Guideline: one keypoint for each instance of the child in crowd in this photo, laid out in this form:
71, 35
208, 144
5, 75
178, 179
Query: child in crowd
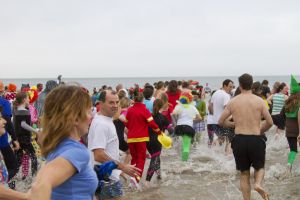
138, 119
154, 146
148, 97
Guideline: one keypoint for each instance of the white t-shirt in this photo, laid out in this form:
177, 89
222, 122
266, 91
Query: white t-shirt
103, 135
219, 99
185, 114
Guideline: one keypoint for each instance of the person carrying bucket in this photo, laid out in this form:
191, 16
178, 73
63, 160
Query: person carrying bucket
183, 116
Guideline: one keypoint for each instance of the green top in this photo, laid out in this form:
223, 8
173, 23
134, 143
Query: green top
201, 107
294, 113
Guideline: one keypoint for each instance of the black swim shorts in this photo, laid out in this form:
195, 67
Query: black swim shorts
249, 150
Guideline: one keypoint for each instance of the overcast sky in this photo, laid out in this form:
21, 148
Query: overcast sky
121, 38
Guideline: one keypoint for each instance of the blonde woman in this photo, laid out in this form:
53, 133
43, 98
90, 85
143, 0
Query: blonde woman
67, 173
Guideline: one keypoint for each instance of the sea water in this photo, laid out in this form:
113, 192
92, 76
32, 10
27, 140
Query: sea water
209, 174
214, 82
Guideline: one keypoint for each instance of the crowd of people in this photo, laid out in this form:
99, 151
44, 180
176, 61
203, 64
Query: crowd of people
69, 140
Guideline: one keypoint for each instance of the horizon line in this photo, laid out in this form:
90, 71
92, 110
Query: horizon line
108, 77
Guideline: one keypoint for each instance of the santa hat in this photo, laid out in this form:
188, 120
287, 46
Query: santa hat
294, 87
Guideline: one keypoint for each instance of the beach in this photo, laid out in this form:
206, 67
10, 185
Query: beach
211, 175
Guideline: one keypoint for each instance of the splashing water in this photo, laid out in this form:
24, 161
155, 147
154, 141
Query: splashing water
210, 174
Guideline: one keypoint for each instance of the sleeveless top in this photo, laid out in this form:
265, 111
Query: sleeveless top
278, 103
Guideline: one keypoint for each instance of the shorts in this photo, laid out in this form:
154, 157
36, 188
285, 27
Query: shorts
249, 150
199, 126
279, 121
108, 190
223, 132
181, 130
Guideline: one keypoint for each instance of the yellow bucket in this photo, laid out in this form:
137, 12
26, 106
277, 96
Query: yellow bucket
165, 140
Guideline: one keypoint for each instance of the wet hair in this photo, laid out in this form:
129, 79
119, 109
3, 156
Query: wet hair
63, 106
172, 87
20, 96
102, 96
246, 81
157, 105
226, 82
148, 91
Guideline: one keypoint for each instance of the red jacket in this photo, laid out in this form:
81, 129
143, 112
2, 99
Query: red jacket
173, 99
138, 119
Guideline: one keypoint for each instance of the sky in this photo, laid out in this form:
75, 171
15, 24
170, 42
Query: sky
155, 38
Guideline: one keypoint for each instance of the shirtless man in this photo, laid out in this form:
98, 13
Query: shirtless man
249, 147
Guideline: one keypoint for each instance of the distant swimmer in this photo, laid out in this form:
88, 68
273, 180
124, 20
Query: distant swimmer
249, 146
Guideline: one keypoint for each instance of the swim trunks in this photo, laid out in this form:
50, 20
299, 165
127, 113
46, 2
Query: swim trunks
249, 150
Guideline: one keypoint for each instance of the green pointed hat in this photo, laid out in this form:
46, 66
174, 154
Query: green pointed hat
295, 87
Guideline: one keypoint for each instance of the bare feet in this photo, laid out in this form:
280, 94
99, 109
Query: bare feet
262, 192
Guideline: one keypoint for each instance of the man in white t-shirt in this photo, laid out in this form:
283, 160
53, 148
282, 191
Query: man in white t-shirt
216, 107
104, 144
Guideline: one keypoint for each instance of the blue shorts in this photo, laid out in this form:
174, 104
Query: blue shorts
111, 189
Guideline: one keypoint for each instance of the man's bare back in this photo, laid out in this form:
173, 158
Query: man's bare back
247, 111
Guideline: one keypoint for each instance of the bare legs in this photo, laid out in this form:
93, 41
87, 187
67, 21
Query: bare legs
246, 186
259, 176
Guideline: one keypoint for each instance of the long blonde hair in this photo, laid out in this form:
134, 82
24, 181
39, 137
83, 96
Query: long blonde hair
63, 106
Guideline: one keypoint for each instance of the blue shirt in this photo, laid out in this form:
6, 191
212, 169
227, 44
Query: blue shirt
6, 109
149, 104
83, 184
4, 140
